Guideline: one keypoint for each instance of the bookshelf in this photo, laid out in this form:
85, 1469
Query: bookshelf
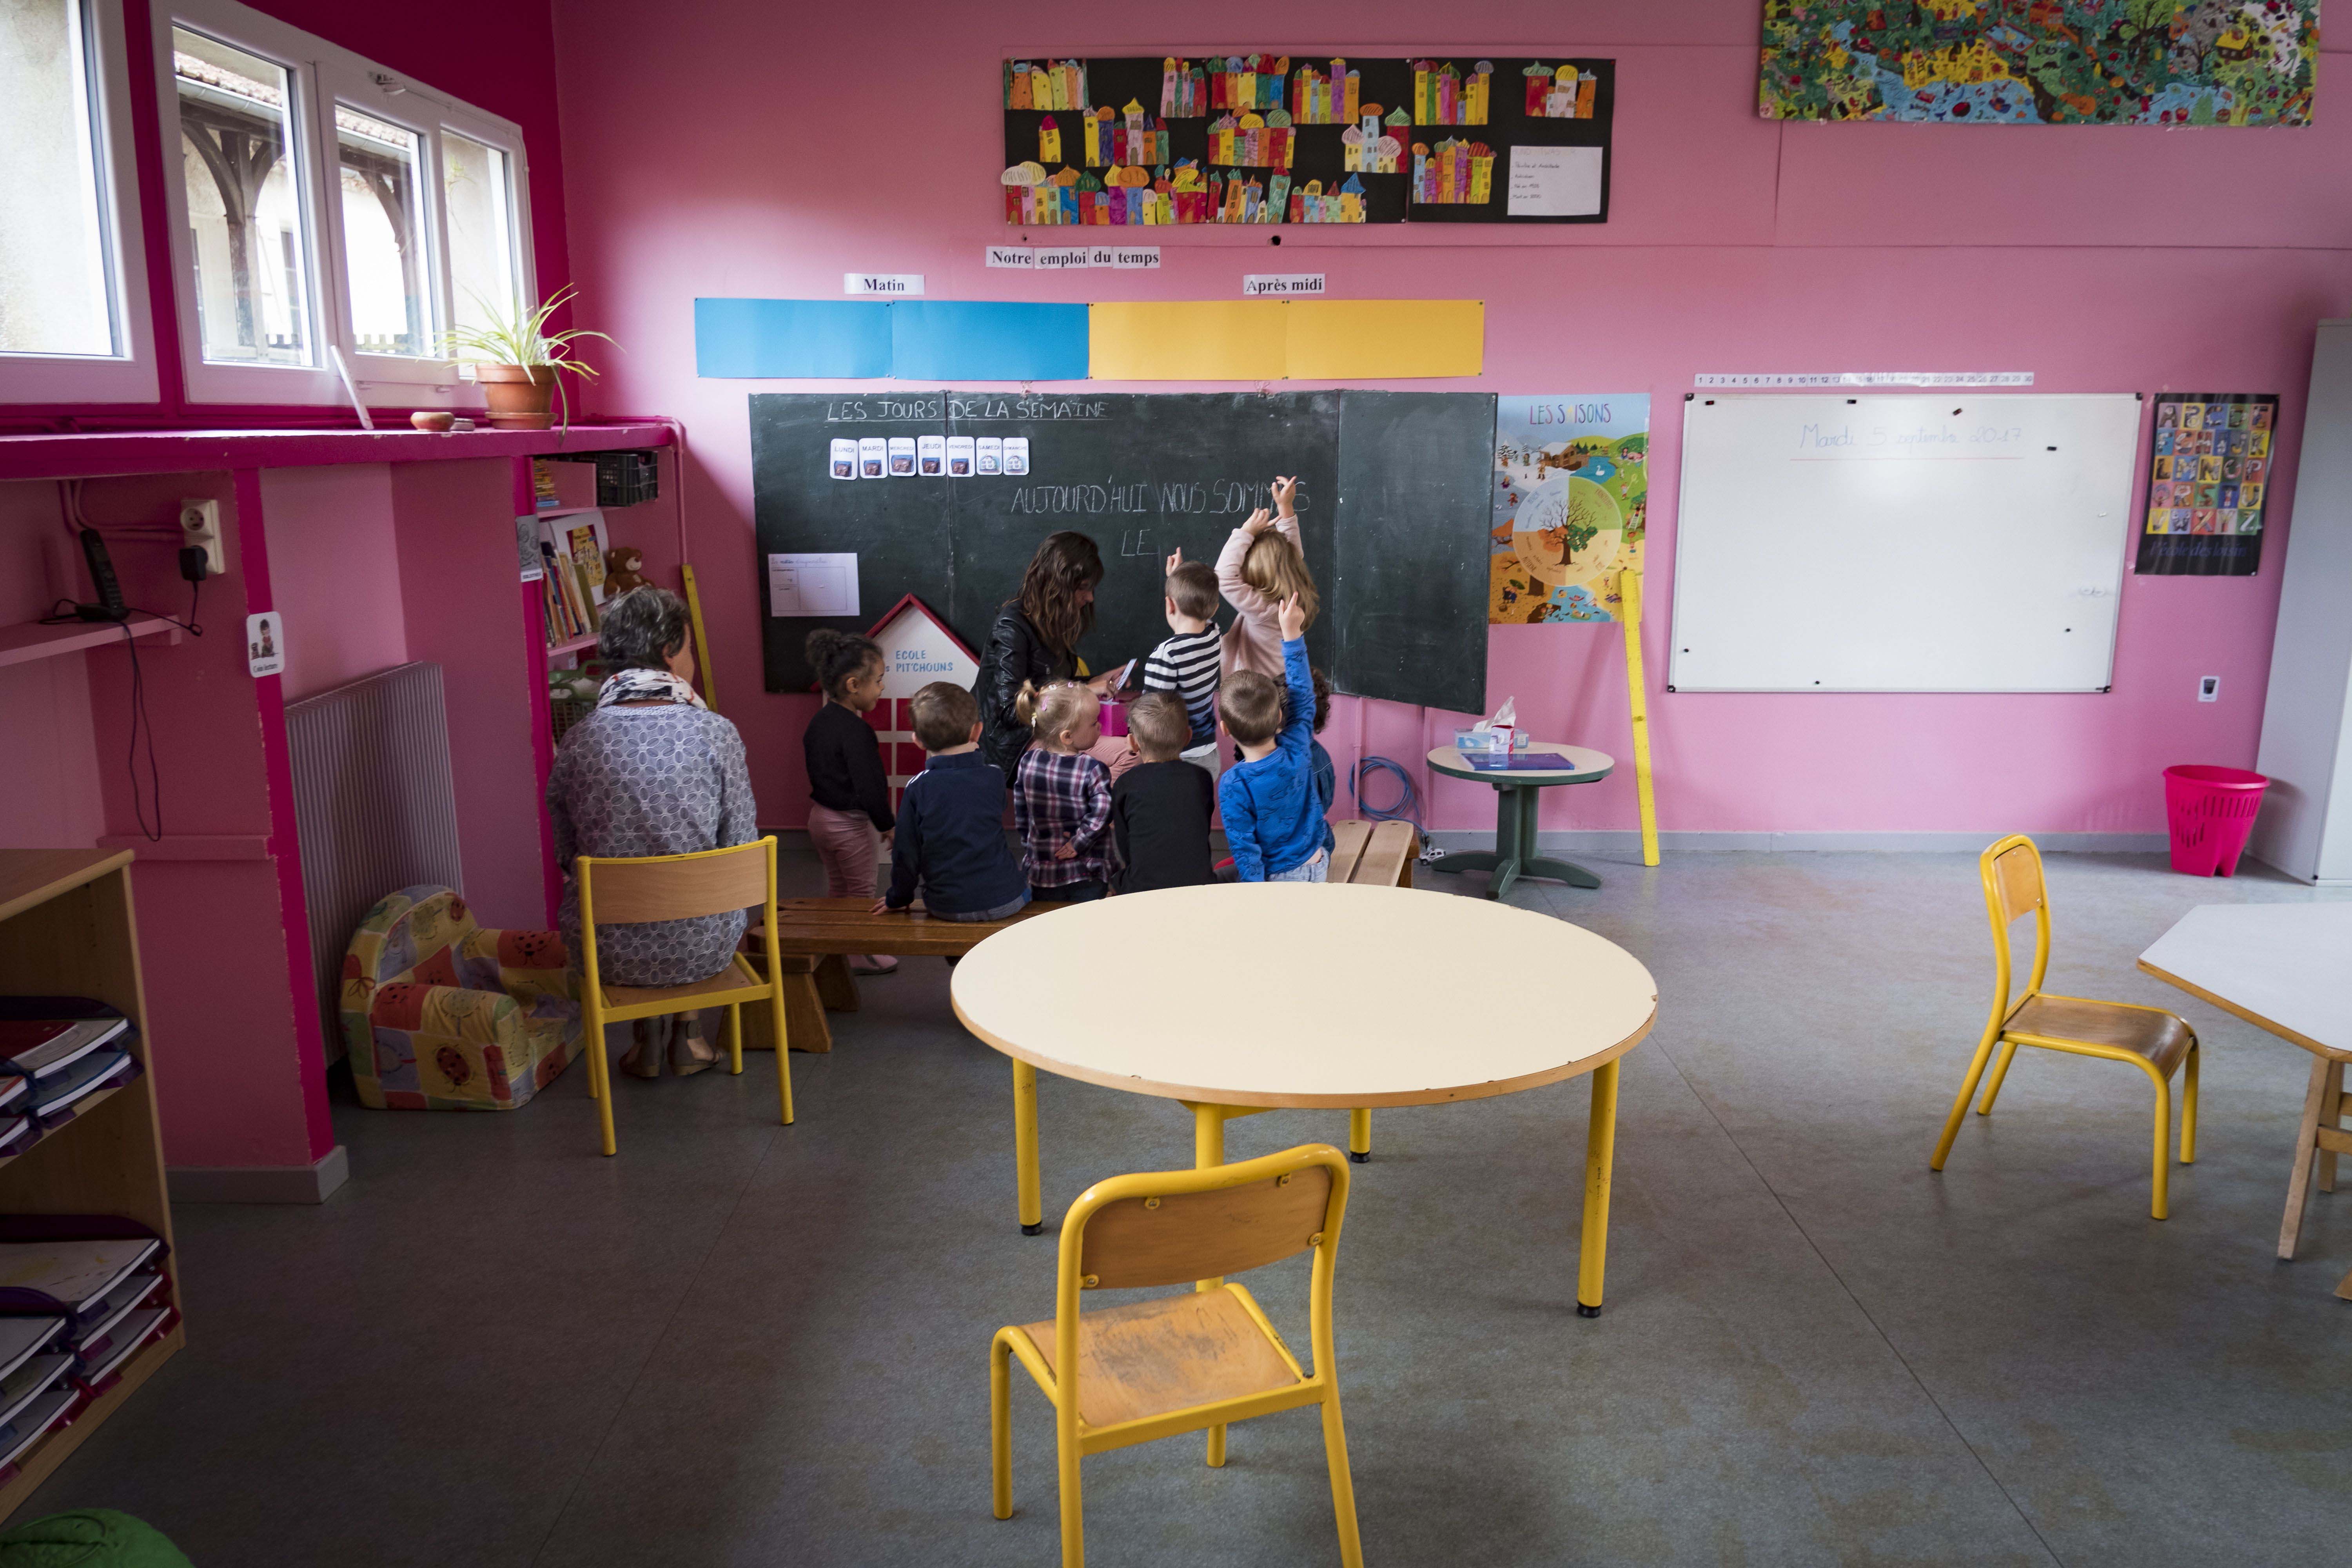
66, 928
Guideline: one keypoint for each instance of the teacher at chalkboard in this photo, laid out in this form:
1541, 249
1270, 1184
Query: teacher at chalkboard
1035, 640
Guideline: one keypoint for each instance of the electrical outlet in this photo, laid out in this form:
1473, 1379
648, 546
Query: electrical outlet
2208, 689
200, 522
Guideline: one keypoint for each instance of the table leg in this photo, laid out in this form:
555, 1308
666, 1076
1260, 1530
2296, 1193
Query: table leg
1599, 1154
2298, 1181
1025, 1147
1209, 1149
1359, 1136
1513, 838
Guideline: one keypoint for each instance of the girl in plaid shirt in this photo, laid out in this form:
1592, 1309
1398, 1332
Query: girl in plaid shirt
1061, 796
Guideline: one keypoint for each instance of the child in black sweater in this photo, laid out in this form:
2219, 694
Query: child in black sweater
849, 795
1159, 808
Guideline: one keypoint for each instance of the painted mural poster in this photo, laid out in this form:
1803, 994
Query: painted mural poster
2209, 484
1571, 505
2135, 62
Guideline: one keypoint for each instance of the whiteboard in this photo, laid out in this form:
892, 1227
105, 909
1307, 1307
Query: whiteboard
1951, 542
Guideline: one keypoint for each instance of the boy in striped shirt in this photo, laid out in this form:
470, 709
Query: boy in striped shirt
1186, 664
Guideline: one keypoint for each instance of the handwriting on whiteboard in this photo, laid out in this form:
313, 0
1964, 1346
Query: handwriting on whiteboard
1943, 438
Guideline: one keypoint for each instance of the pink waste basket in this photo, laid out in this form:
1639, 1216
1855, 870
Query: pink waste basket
2209, 812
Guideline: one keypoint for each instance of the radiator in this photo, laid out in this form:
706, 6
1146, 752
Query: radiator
373, 808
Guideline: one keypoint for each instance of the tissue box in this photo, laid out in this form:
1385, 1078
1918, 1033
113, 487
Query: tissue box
1476, 740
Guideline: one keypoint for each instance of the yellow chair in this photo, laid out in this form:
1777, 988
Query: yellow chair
614, 891
1181, 1363
2155, 1041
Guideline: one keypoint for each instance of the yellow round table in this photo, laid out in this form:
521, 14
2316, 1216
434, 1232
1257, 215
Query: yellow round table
1237, 999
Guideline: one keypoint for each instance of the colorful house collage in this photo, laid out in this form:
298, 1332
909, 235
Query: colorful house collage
1368, 149
1561, 94
1252, 140
1319, 99
1057, 84
1315, 204
1122, 196
1138, 139
1441, 95
1453, 171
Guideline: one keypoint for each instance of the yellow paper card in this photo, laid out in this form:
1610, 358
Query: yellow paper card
1380, 340
1188, 340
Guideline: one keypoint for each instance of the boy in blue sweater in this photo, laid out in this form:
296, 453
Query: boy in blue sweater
1273, 822
951, 835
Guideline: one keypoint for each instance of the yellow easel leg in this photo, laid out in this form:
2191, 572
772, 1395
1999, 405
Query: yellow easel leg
702, 643
1629, 594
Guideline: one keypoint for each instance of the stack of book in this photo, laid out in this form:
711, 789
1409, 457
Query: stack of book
572, 588
55, 1053
74, 1308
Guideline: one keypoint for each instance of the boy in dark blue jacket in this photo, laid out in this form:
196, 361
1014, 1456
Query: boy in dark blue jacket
1274, 823
950, 835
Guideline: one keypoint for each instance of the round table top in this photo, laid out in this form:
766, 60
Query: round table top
1590, 766
1294, 994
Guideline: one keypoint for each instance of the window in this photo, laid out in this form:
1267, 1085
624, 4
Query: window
245, 227
329, 209
72, 301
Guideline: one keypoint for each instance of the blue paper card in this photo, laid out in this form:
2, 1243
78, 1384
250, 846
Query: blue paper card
987, 340
777, 338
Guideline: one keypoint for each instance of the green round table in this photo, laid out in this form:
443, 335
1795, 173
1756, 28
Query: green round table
1516, 795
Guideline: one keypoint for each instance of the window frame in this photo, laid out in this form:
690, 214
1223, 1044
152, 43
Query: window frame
325, 75
127, 375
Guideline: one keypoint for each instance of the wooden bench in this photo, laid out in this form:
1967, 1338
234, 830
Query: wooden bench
814, 938
1372, 853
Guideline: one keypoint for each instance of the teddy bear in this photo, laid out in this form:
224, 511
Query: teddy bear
621, 574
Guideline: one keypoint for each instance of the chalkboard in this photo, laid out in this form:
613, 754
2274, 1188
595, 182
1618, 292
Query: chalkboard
1392, 501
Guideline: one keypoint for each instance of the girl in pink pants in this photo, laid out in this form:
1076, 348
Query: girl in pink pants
849, 795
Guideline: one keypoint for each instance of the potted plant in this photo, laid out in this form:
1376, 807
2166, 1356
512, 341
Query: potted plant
516, 358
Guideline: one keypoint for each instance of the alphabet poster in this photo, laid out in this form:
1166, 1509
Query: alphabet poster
2209, 484
1571, 505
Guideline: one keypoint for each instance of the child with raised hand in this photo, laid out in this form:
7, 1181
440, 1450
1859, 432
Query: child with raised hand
849, 817
1061, 795
1187, 664
1159, 808
1273, 823
1262, 564
951, 838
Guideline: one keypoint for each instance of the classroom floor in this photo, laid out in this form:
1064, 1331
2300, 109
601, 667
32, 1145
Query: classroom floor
739, 1343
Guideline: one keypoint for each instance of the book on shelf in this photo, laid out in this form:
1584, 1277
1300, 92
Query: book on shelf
35, 1423
103, 1356
31, 1378
572, 551
22, 1339
56, 1094
32, 1045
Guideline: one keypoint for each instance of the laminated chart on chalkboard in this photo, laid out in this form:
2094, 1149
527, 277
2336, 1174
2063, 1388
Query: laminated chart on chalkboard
1145, 475
1138, 142
2209, 484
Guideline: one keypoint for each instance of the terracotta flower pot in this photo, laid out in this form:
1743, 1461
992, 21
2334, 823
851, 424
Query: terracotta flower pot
522, 397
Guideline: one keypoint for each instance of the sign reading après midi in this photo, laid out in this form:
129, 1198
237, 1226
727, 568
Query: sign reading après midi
1255, 284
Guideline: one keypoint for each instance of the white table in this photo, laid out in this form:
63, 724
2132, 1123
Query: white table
1517, 794
1238, 999
2286, 968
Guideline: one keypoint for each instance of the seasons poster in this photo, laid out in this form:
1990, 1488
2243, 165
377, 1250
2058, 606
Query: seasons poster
1571, 505
2045, 62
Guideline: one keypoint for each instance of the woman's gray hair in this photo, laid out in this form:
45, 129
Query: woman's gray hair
641, 628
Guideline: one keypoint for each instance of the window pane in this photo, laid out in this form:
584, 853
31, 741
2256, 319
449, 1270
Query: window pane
54, 277
383, 233
481, 230
244, 207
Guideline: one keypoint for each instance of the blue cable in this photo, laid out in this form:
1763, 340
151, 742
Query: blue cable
1406, 808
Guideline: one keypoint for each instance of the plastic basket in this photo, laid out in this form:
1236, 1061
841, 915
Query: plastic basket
2208, 813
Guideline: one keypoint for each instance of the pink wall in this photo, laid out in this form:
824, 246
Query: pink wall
48, 759
1734, 244
335, 572
462, 610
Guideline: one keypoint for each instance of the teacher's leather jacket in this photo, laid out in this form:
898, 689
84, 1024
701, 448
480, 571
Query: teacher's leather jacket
1016, 653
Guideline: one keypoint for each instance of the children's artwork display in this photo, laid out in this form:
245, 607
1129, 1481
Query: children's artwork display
2209, 484
1265, 139
2137, 62
1571, 505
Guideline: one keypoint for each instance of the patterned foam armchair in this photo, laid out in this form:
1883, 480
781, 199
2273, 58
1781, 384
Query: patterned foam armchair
443, 1015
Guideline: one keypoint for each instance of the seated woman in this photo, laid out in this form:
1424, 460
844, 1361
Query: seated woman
651, 772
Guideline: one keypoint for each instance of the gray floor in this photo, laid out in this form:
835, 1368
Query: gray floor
737, 1343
